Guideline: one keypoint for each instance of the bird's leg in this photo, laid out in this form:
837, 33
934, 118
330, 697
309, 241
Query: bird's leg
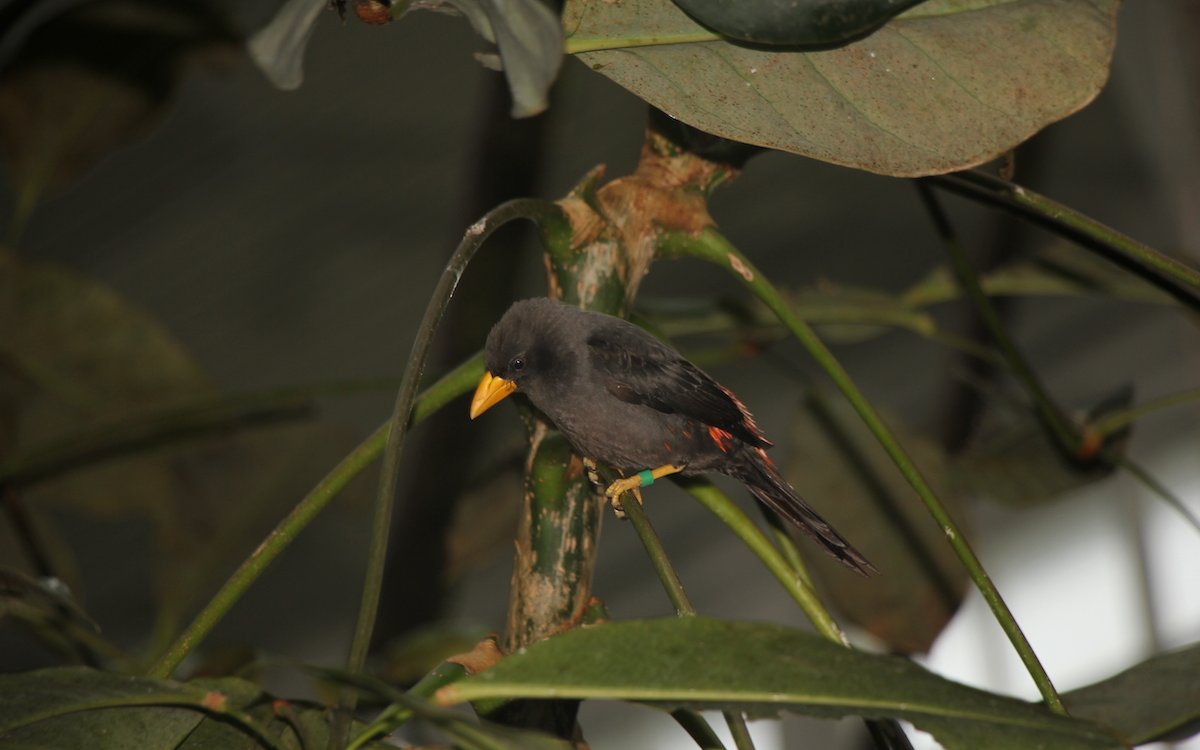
634, 483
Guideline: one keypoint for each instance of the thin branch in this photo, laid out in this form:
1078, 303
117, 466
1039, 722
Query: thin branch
683, 606
535, 210
710, 245
458, 381
1165, 272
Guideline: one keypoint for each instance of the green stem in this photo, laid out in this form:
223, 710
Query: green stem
787, 547
458, 381
104, 441
1179, 280
741, 735
732, 516
679, 599
1159, 489
698, 729
535, 210
710, 245
1116, 421
575, 45
658, 557
1066, 434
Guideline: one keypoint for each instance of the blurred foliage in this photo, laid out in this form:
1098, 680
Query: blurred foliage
81, 79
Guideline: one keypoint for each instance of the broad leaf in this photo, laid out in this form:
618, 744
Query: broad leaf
947, 85
278, 48
526, 33
77, 707
88, 363
763, 668
530, 41
845, 473
92, 78
48, 597
1158, 699
786, 23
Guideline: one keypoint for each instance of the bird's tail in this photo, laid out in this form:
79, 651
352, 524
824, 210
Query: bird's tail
760, 476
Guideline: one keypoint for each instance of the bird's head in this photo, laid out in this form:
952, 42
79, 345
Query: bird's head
530, 349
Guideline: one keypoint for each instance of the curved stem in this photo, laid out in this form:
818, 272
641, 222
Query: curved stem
1115, 421
732, 516
180, 422
1072, 439
1065, 434
710, 245
535, 210
456, 382
683, 606
1180, 281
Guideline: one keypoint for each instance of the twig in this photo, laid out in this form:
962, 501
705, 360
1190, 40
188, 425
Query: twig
1166, 273
457, 382
713, 247
476, 234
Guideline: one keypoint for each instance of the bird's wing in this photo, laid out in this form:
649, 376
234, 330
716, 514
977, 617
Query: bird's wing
639, 369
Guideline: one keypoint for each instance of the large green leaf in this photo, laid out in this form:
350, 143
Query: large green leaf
1158, 699
76, 707
947, 85
763, 668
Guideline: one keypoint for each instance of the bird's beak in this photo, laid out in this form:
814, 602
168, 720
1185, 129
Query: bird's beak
490, 391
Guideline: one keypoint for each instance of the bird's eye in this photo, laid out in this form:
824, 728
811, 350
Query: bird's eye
517, 364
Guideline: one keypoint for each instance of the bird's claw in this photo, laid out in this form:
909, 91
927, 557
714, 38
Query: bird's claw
593, 472
618, 488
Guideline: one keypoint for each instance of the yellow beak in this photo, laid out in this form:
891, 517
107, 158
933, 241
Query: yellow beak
490, 391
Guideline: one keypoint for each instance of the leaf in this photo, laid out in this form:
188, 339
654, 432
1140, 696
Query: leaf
763, 668
84, 356
90, 362
527, 33
93, 78
530, 40
1157, 700
467, 735
48, 596
78, 707
840, 467
947, 85
786, 23
278, 48
63, 708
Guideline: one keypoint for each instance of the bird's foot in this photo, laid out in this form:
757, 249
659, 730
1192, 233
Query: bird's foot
618, 488
593, 473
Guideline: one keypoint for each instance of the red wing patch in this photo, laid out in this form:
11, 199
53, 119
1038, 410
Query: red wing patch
767, 460
720, 437
747, 419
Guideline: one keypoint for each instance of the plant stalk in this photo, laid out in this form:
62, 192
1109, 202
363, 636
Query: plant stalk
710, 245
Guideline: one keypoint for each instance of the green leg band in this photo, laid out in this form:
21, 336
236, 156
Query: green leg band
646, 477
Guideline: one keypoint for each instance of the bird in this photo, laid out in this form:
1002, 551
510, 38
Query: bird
625, 399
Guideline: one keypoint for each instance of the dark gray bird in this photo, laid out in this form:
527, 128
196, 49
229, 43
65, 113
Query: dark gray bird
625, 399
